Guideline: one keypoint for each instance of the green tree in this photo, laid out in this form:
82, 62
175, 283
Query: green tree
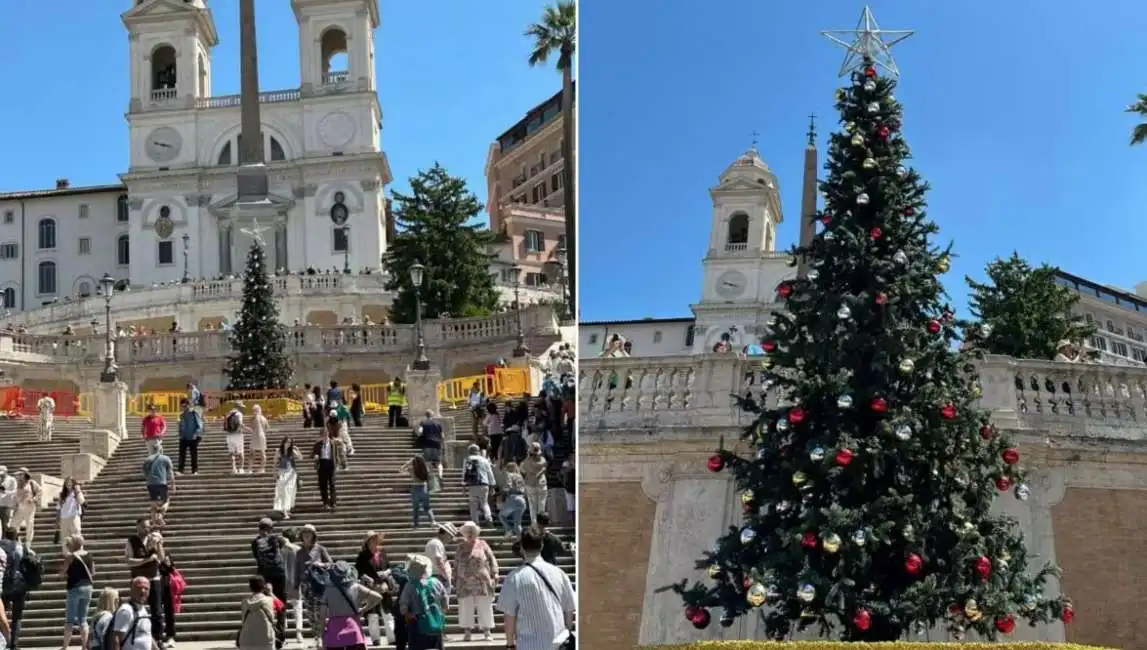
1025, 311
1139, 133
434, 229
258, 340
867, 490
557, 33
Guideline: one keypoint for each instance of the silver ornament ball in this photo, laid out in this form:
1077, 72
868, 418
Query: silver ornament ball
874, 107
844, 402
903, 432
862, 199
870, 85
816, 454
844, 313
748, 535
900, 257
860, 537
1022, 492
806, 593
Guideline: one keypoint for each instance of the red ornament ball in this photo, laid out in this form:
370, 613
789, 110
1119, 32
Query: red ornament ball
881, 298
808, 540
796, 415
785, 290
879, 405
956, 609
883, 132
948, 412
1003, 484
716, 463
987, 432
1006, 624
909, 211
1067, 615
825, 219
769, 346
870, 72
691, 611
1011, 455
913, 563
844, 457
934, 326
983, 567
862, 619
746, 582
875, 233
700, 618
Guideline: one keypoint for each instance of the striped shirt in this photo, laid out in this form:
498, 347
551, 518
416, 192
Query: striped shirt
540, 623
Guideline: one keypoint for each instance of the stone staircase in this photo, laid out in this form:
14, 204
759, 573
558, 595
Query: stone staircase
213, 517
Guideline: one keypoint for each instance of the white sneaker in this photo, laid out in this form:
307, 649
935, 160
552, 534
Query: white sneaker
487, 636
469, 636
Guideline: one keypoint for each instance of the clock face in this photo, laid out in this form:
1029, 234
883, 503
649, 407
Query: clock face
164, 144
731, 284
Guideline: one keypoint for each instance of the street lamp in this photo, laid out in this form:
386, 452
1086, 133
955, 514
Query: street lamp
186, 245
107, 284
521, 349
562, 259
420, 360
346, 251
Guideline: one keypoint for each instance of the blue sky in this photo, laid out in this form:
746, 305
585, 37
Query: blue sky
452, 76
1013, 111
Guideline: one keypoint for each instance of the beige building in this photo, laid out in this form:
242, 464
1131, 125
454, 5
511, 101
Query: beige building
1120, 316
526, 194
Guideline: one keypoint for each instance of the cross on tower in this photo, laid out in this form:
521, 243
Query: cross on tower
811, 130
755, 135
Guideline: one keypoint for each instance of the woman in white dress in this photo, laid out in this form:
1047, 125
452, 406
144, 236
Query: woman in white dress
27, 503
287, 485
71, 506
260, 427
46, 406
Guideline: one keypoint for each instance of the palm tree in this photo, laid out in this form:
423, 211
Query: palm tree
557, 32
1139, 133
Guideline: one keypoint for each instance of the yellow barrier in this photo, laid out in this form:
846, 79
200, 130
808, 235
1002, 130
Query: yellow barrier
505, 382
86, 408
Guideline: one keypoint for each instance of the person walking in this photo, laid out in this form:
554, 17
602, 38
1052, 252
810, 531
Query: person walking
430, 441
537, 601
135, 621
311, 554
419, 474
478, 477
143, 552
287, 483
395, 402
267, 550
357, 409
233, 427
257, 627
78, 569
346, 601
27, 504
373, 569
423, 605
7, 497
260, 427
534, 472
514, 505
190, 433
475, 582
71, 504
160, 475
154, 428
325, 454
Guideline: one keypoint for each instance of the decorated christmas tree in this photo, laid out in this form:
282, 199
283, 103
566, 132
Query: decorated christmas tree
867, 489
258, 340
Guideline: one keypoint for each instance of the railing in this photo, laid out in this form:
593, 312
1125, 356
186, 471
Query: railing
336, 77
177, 346
736, 248
269, 97
164, 95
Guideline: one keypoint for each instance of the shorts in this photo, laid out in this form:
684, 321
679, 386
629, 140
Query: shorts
76, 605
432, 455
157, 493
259, 442
235, 443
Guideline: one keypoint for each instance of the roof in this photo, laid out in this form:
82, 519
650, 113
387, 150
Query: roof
1126, 296
70, 191
534, 111
640, 321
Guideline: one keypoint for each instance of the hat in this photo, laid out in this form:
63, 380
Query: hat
3, 469
22, 470
1063, 344
238, 403
309, 528
266, 522
448, 528
473, 449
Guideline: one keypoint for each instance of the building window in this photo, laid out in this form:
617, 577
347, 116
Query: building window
535, 241
122, 214
539, 192
1089, 318
1099, 343
1119, 348
535, 280
690, 335
562, 243
340, 244
85, 245
593, 339
85, 289
738, 229
46, 279
83, 210
277, 152
9, 298
224, 155
166, 253
9, 251
1139, 355
657, 336
123, 250
556, 182
46, 234
9, 216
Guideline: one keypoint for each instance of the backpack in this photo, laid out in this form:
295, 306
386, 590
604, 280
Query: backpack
202, 401
431, 620
231, 424
109, 640
100, 640
32, 569
471, 475
268, 553
24, 577
516, 447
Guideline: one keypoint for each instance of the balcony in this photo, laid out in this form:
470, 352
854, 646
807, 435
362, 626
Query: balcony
231, 101
336, 78
736, 247
164, 96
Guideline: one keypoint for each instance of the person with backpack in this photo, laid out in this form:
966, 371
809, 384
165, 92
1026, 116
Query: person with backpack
267, 549
102, 637
478, 476
234, 429
346, 601
257, 627
132, 623
190, 433
423, 605
23, 574
514, 504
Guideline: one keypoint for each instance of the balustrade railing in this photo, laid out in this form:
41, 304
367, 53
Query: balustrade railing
179, 346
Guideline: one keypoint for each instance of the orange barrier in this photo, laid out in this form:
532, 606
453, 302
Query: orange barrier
9, 399
67, 403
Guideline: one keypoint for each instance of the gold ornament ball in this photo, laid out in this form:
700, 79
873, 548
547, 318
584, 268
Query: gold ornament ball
977, 390
831, 543
840, 94
849, 127
799, 478
869, 163
714, 571
756, 595
746, 498
943, 264
972, 610
857, 140
907, 366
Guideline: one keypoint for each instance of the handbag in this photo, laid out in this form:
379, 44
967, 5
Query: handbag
571, 641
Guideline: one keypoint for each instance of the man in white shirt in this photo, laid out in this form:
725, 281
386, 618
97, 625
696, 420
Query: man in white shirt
7, 497
132, 622
538, 601
325, 453
478, 477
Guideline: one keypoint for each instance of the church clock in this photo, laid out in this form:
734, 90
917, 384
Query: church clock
731, 284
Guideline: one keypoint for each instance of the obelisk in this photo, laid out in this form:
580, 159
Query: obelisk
252, 183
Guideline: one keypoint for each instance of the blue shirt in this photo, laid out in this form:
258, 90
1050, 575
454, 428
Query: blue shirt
157, 468
195, 396
190, 425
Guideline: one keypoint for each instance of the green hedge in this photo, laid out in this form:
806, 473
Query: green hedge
837, 645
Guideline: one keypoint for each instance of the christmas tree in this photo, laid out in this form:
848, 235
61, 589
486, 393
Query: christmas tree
436, 229
258, 340
867, 491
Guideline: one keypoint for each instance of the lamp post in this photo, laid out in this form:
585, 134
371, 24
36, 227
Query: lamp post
186, 245
346, 251
420, 360
562, 259
520, 350
108, 375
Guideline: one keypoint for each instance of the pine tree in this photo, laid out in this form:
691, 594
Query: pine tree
435, 229
867, 489
1023, 312
258, 339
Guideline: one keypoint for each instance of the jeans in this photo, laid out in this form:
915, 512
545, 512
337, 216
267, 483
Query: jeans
15, 606
326, 472
393, 412
76, 605
420, 503
511, 514
155, 605
192, 447
278, 582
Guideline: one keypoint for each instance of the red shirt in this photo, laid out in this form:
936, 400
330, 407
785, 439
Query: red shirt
154, 426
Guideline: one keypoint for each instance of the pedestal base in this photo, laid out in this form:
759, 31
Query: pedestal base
109, 408
422, 392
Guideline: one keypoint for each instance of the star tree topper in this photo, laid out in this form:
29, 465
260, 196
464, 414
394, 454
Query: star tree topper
869, 42
255, 232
